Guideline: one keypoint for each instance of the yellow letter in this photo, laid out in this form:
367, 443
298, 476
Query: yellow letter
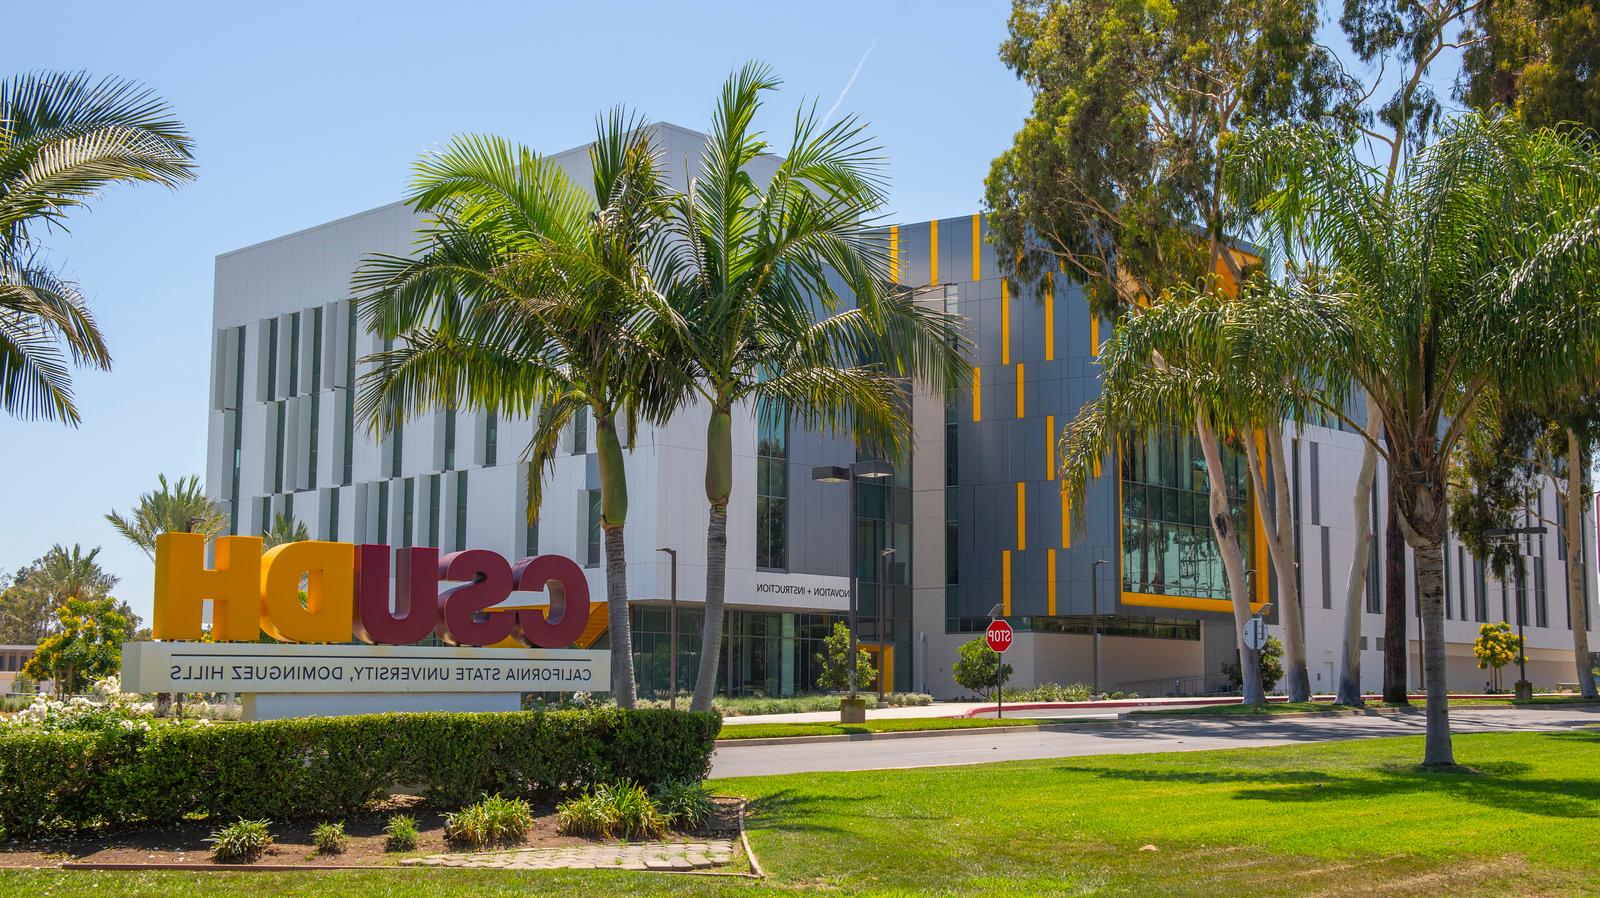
184, 583
329, 569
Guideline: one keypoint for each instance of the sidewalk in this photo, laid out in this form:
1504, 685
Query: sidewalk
937, 709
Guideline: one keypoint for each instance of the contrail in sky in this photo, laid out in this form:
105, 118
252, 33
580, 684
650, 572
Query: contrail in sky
851, 83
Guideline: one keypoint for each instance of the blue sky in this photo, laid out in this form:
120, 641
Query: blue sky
304, 112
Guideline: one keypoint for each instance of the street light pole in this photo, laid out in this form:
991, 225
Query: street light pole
840, 474
883, 593
1515, 534
1094, 622
672, 626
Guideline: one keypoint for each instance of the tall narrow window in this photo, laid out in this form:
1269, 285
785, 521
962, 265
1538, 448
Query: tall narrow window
278, 441
294, 354
333, 515
316, 349
1480, 592
491, 438
1541, 599
397, 443
408, 511
595, 530
315, 437
238, 434
433, 510
272, 358
350, 399
383, 511
580, 431
449, 439
1374, 553
530, 526
461, 511
772, 490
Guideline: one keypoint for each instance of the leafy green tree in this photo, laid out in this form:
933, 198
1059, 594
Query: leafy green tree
533, 296
1495, 647
756, 276
179, 507
1271, 666
64, 138
834, 661
978, 668
28, 607
1114, 180
86, 646
1468, 278
1538, 58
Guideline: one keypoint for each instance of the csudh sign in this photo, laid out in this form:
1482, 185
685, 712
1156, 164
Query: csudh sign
348, 594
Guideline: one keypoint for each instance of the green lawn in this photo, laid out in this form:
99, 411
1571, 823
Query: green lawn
1324, 819
775, 730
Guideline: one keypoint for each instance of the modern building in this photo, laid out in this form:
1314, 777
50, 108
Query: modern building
12, 658
975, 516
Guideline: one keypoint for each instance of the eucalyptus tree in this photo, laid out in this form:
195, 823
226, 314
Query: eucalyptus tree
64, 138
1468, 275
787, 303
532, 296
181, 506
1114, 181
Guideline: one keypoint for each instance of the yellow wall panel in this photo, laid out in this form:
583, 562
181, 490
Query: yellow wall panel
1021, 385
1005, 583
1066, 521
1050, 446
1094, 334
977, 393
1050, 588
1022, 515
894, 253
977, 242
933, 252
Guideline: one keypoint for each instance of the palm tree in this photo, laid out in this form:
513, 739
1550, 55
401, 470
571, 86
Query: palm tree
64, 138
63, 573
179, 507
752, 278
533, 296
1472, 275
284, 529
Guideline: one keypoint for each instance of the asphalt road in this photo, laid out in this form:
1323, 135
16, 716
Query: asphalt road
983, 746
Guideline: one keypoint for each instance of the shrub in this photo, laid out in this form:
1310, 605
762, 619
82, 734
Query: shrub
332, 766
400, 833
1271, 667
240, 842
685, 806
623, 809
1049, 692
977, 667
329, 838
491, 821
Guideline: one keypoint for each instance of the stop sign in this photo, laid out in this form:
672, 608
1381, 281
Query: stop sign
998, 636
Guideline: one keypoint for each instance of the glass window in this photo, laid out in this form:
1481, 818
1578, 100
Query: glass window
772, 490
580, 431
433, 509
449, 439
461, 511
333, 515
408, 511
491, 438
595, 530
294, 354
1167, 544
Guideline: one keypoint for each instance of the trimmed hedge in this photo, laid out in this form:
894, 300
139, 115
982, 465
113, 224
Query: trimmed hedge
331, 766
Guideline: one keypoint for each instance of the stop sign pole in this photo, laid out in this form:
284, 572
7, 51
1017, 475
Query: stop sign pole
998, 637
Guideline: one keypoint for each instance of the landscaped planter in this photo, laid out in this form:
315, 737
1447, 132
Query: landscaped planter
853, 710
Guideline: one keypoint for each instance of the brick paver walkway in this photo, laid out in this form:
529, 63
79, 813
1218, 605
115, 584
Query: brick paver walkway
635, 856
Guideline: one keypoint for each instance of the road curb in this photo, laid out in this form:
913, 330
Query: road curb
910, 734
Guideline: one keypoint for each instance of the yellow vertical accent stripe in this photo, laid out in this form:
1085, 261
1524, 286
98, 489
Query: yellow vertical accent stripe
933, 252
977, 241
1022, 515
1050, 587
1005, 583
1049, 317
1050, 446
1005, 321
1021, 384
894, 253
1066, 521
1094, 334
977, 393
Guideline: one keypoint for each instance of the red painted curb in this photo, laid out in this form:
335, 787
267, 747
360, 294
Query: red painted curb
1195, 703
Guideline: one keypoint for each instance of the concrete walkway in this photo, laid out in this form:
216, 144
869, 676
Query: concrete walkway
1158, 735
634, 856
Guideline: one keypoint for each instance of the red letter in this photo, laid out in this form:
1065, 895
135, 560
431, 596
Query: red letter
461, 619
416, 595
561, 579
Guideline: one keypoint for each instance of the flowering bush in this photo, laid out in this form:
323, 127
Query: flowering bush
106, 707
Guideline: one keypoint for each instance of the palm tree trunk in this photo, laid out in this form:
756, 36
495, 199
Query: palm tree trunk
1396, 651
1232, 562
1572, 532
1430, 587
613, 516
719, 486
1277, 522
1355, 584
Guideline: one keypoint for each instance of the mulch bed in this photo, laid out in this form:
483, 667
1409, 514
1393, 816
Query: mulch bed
184, 844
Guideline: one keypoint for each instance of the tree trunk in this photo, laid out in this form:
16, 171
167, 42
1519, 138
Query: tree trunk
1430, 591
705, 682
1572, 532
719, 487
1277, 520
613, 515
1232, 562
1355, 584
1396, 651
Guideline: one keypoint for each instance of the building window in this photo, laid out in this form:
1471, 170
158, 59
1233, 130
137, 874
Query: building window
272, 358
316, 349
315, 436
433, 510
449, 439
594, 529
491, 438
580, 431
461, 511
278, 441
333, 515
1167, 543
1374, 553
1481, 592
772, 490
408, 511
397, 451
530, 525
350, 399
1541, 601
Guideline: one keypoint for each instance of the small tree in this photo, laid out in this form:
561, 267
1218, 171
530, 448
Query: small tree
978, 668
86, 646
1495, 647
835, 669
1271, 667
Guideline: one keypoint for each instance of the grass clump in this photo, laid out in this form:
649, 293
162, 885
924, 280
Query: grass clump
492, 820
400, 834
329, 838
685, 805
240, 842
617, 810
